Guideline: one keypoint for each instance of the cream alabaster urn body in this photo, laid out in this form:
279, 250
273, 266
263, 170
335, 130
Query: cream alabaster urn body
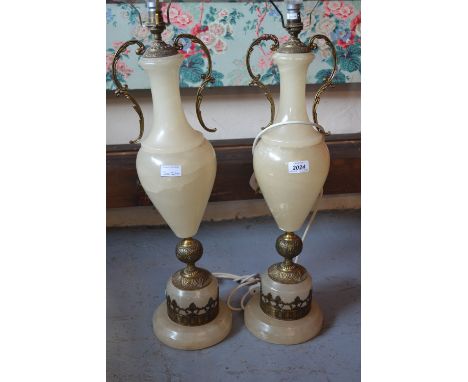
181, 193
291, 163
291, 195
176, 166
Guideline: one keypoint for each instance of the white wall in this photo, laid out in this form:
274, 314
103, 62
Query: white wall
237, 112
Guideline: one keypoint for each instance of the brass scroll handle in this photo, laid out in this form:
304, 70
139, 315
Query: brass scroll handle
123, 89
207, 77
328, 81
256, 78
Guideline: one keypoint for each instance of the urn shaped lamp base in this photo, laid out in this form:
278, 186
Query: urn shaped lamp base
284, 312
192, 317
283, 332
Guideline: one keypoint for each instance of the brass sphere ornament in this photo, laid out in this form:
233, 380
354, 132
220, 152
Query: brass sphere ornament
189, 250
289, 245
191, 277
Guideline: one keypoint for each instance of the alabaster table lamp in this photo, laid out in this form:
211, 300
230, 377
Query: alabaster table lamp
176, 166
291, 163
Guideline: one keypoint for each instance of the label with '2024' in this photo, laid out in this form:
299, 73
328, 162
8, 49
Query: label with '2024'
298, 167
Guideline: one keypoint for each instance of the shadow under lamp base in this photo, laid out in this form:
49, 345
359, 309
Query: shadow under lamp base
283, 332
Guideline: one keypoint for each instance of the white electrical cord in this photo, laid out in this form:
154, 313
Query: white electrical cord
259, 135
253, 280
312, 218
249, 280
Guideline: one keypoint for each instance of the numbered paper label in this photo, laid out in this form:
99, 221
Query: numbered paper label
298, 167
171, 170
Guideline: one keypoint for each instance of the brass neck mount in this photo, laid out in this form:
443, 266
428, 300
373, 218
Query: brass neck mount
294, 26
288, 245
191, 277
293, 44
157, 26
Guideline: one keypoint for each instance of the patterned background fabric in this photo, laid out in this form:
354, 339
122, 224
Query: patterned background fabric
228, 29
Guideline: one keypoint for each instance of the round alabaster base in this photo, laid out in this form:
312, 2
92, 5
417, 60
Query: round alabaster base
282, 332
191, 337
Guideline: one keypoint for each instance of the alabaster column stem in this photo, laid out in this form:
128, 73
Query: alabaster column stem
293, 72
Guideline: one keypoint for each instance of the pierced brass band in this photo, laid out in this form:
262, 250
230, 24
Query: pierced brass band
256, 77
288, 311
328, 81
193, 315
288, 245
123, 89
207, 77
191, 277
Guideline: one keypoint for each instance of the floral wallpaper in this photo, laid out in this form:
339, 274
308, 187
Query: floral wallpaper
228, 29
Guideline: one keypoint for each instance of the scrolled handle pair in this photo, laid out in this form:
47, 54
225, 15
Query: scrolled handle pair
123, 89
313, 46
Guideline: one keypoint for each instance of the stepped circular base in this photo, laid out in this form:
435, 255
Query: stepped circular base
282, 332
191, 337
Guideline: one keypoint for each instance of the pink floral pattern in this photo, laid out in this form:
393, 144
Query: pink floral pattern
208, 38
223, 13
220, 46
140, 32
345, 11
177, 15
227, 29
356, 25
217, 29
331, 7
265, 61
326, 26
123, 70
183, 20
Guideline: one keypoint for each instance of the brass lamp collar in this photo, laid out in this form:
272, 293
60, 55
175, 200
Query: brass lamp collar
294, 26
157, 26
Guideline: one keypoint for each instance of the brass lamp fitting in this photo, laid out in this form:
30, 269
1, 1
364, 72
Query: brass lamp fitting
294, 26
288, 245
191, 277
157, 26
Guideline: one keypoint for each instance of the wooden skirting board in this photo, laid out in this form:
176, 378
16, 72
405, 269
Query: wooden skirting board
234, 169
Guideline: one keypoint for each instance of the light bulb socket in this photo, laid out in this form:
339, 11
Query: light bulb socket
157, 26
151, 8
294, 26
293, 11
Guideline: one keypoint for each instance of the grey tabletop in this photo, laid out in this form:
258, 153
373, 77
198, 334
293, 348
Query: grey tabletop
140, 260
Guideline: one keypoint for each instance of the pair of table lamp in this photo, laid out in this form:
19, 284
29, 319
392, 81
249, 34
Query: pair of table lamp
176, 166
